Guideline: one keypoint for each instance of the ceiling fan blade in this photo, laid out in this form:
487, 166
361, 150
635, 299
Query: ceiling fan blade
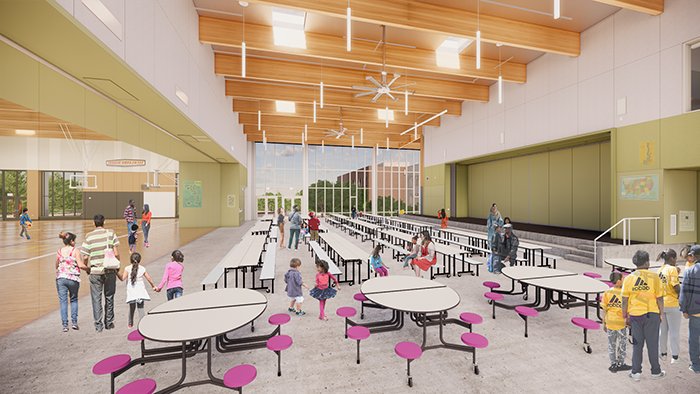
338, 136
403, 86
374, 100
364, 94
374, 81
363, 87
392, 97
396, 76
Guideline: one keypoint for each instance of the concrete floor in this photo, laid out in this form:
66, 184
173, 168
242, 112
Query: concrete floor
40, 358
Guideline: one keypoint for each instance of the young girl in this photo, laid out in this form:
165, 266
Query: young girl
671, 322
133, 237
323, 291
136, 292
414, 251
493, 220
443, 218
376, 260
280, 224
614, 325
68, 266
173, 276
687, 257
304, 230
428, 256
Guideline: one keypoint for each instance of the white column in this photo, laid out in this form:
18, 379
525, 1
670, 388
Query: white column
251, 203
374, 180
305, 180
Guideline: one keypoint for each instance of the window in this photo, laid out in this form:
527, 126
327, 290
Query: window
694, 79
278, 176
58, 199
13, 186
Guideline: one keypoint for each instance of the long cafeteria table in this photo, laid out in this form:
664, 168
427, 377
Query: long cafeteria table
480, 240
343, 251
246, 256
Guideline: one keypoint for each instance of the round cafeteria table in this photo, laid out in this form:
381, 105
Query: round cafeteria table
626, 265
198, 316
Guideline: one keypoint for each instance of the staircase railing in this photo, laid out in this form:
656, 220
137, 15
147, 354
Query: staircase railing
626, 234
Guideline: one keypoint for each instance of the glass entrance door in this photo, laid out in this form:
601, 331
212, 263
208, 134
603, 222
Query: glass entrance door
267, 205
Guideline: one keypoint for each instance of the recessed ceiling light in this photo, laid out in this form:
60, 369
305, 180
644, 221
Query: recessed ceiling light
382, 114
285, 106
288, 27
25, 132
447, 54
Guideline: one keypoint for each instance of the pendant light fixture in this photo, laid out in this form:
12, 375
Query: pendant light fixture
386, 113
353, 141
302, 140
377, 149
415, 130
387, 144
323, 146
557, 9
362, 134
306, 131
500, 78
321, 83
349, 22
244, 5
314, 105
259, 117
264, 140
478, 37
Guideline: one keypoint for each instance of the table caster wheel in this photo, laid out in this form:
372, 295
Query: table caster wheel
525, 297
350, 284
279, 373
476, 370
587, 348
448, 275
410, 382
490, 302
267, 290
459, 275
362, 316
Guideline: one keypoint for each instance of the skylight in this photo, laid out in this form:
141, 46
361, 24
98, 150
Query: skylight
382, 114
288, 27
447, 54
285, 106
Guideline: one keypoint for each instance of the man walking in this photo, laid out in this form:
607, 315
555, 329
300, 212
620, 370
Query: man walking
509, 246
689, 301
101, 280
643, 309
130, 215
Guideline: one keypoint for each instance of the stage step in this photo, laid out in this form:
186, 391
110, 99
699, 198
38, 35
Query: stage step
578, 258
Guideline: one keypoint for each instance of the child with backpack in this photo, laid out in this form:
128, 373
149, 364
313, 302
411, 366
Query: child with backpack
133, 237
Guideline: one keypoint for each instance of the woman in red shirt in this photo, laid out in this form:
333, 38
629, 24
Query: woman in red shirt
428, 257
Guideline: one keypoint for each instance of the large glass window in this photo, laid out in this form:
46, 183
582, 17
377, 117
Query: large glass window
278, 176
13, 185
695, 76
58, 199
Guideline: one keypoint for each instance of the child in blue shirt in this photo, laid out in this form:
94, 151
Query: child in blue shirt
294, 284
376, 260
23, 219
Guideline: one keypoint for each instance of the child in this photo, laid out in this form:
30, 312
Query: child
614, 325
304, 230
323, 291
314, 226
133, 237
294, 283
687, 257
173, 276
495, 265
23, 219
415, 249
376, 260
136, 292
671, 322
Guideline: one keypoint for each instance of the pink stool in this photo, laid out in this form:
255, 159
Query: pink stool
471, 318
346, 312
278, 320
524, 312
586, 324
592, 275
142, 386
358, 333
491, 285
493, 297
277, 344
110, 365
476, 341
361, 297
239, 376
608, 283
410, 351
135, 336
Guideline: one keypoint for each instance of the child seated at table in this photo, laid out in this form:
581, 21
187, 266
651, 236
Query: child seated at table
414, 250
323, 291
376, 260
614, 325
304, 229
294, 284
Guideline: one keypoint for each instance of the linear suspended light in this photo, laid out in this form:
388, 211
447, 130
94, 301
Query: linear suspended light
243, 60
405, 111
306, 133
377, 149
314, 111
362, 135
302, 140
557, 9
500, 89
321, 94
264, 140
259, 119
387, 143
424, 122
323, 146
349, 24
387, 117
478, 49
353, 141
415, 130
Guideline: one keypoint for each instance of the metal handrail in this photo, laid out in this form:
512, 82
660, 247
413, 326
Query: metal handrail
626, 234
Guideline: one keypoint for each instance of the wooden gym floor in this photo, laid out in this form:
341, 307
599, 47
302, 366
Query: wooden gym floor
27, 267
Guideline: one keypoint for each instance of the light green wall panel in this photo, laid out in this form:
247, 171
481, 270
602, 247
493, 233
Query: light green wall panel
519, 195
461, 192
446, 196
503, 189
490, 194
100, 115
127, 127
148, 135
19, 77
560, 188
605, 187
680, 141
680, 194
209, 215
434, 189
476, 191
230, 191
586, 187
628, 140
539, 188
61, 97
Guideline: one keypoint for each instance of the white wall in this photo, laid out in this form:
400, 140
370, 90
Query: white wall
162, 204
628, 54
21, 153
160, 42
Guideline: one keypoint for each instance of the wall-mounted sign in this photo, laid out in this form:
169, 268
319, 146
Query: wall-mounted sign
643, 187
192, 194
686, 221
126, 163
646, 153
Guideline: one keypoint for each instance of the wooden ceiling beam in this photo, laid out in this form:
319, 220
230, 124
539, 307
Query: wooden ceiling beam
436, 19
651, 7
320, 46
335, 98
321, 124
334, 77
331, 113
372, 136
342, 141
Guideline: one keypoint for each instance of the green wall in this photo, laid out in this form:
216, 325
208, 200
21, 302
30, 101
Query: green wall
567, 187
219, 181
461, 190
680, 194
436, 189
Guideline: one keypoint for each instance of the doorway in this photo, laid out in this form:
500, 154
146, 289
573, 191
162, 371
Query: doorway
267, 205
13, 185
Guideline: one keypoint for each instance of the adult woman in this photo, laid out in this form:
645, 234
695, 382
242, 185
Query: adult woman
68, 266
443, 218
146, 223
280, 223
428, 257
493, 219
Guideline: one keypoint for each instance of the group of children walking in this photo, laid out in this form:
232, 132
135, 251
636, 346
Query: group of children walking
322, 290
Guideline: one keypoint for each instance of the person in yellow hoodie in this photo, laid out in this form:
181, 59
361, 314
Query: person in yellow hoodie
642, 309
615, 325
671, 324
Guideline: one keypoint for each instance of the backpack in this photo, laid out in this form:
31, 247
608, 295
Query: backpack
132, 238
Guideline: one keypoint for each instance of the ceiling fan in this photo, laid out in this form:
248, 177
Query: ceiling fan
383, 87
341, 130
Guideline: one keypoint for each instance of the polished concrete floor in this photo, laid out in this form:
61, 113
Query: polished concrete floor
27, 267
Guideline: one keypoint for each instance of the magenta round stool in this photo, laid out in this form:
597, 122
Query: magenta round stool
493, 297
346, 312
410, 351
526, 312
586, 324
477, 342
470, 319
278, 320
358, 333
239, 376
110, 365
277, 344
491, 285
361, 297
592, 275
608, 283
142, 386
135, 336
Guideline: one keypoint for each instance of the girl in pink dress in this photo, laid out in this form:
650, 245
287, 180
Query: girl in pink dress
323, 290
428, 257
